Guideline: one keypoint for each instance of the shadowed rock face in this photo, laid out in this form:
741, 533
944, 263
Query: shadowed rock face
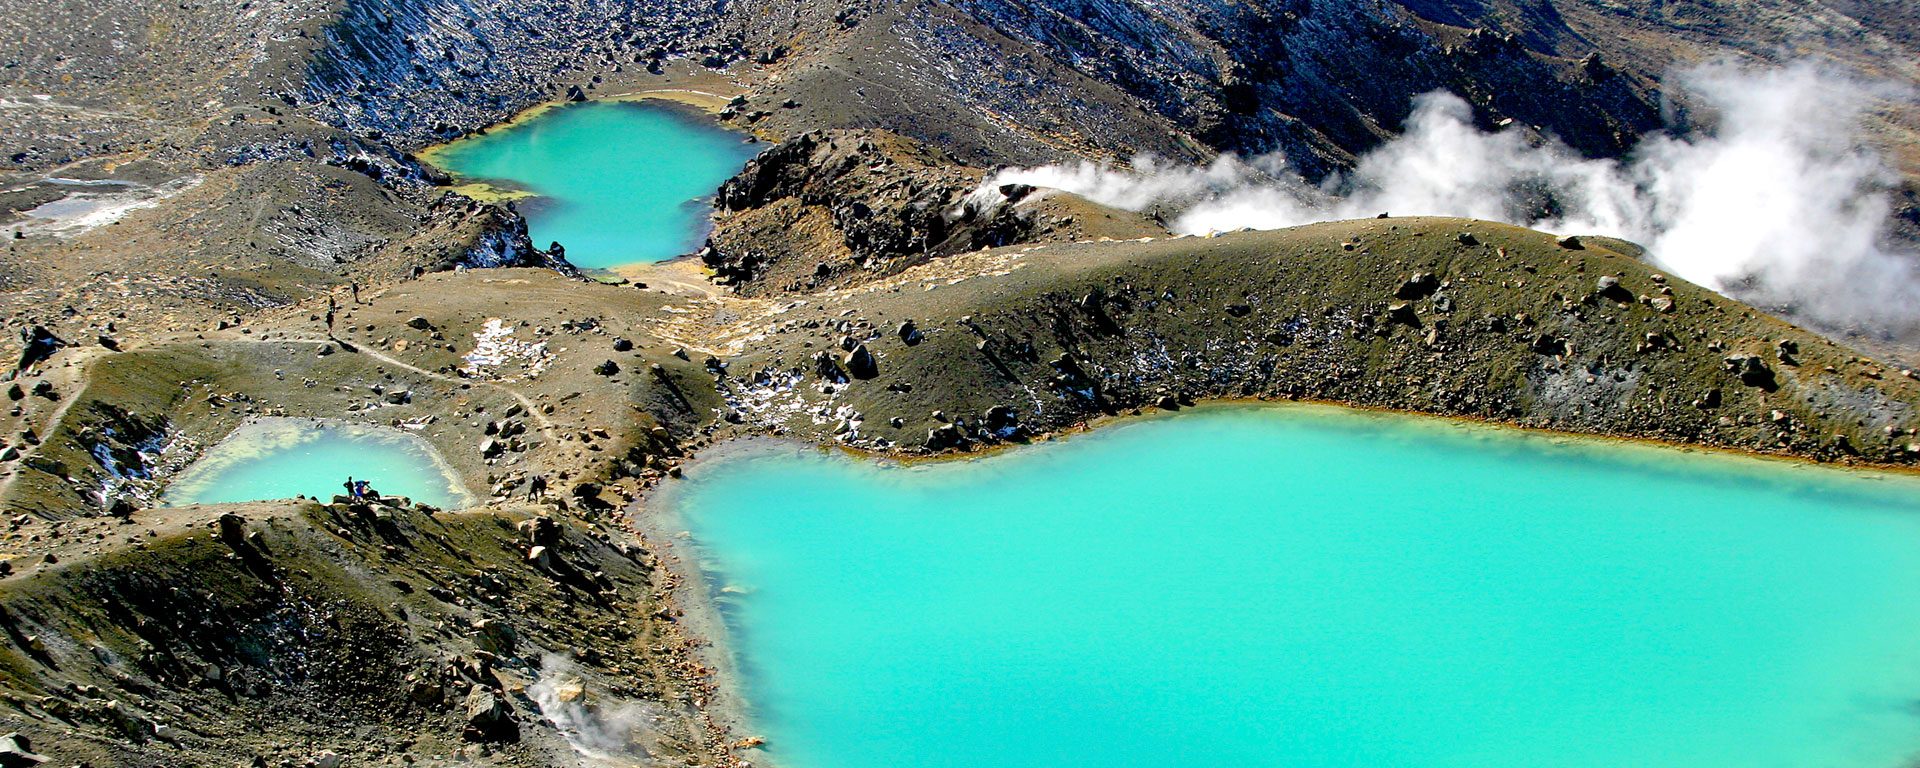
422, 70
1319, 78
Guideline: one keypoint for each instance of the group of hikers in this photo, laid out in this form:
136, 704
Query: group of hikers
333, 307
358, 490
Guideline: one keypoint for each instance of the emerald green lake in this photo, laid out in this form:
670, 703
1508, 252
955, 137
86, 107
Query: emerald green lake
284, 458
1302, 586
617, 182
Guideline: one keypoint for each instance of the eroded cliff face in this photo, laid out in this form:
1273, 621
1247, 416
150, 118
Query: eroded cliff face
423, 70
1321, 79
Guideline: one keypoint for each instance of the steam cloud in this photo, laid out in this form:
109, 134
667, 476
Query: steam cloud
603, 735
1778, 202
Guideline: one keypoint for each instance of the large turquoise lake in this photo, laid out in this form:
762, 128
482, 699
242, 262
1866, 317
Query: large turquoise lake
278, 458
1300, 586
618, 183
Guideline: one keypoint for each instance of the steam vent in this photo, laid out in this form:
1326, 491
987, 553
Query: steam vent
959, 383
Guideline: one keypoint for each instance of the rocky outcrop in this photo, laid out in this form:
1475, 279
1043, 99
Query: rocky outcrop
496, 236
839, 207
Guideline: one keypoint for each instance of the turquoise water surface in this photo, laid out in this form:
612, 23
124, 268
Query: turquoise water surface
1303, 586
618, 182
283, 458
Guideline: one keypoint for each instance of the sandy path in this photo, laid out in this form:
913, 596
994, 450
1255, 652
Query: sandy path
547, 426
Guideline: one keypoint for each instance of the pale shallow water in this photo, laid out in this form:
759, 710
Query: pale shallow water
619, 182
284, 458
1302, 586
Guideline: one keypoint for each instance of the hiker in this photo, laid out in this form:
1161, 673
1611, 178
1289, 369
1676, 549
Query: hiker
361, 491
537, 488
353, 490
332, 306
356, 291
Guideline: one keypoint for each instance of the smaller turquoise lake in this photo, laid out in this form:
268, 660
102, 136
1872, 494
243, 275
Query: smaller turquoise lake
618, 183
1303, 586
283, 458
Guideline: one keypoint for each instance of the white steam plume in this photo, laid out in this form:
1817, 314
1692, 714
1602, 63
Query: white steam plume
609, 734
1778, 202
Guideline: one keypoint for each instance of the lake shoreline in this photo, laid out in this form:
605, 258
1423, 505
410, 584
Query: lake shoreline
656, 518
658, 159
691, 102
207, 464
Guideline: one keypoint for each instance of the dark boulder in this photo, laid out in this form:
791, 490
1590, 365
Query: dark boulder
828, 369
944, 436
1609, 287
37, 344
1004, 422
1404, 314
489, 717
1548, 344
1419, 286
1752, 371
861, 363
17, 752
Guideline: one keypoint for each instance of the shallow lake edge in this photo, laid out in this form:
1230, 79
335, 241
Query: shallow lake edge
655, 515
688, 102
192, 466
